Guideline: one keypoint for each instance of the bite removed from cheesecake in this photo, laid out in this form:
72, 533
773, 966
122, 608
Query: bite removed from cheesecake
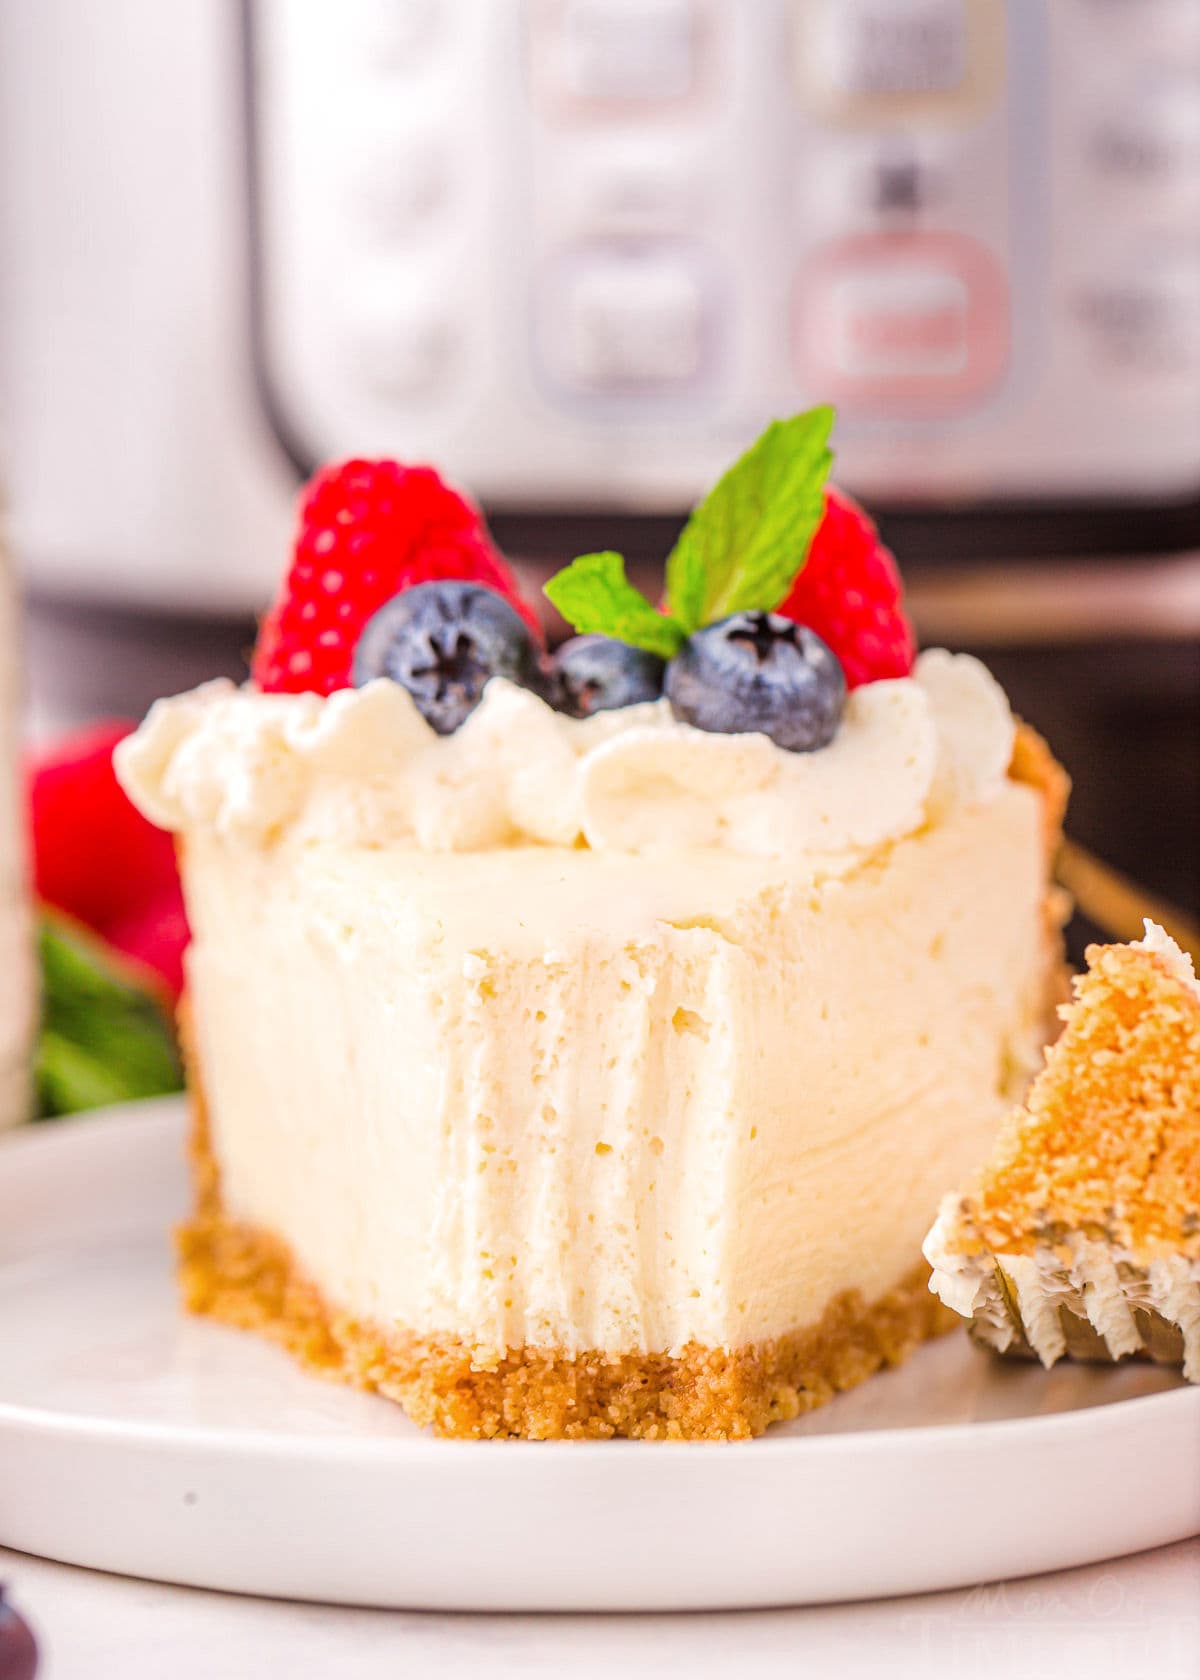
1081, 1234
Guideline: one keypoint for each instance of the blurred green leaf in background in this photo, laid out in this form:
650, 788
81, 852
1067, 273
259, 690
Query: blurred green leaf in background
104, 1039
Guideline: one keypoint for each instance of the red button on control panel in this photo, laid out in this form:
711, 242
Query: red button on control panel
885, 319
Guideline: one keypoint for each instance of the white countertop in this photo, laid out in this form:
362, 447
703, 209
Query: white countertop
1138, 1619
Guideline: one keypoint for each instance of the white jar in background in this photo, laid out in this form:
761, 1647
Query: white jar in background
18, 987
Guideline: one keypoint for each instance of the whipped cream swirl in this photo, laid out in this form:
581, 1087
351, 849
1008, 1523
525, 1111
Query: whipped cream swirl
363, 768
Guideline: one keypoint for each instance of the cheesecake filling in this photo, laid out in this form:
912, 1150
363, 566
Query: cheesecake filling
605, 1034
563, 1101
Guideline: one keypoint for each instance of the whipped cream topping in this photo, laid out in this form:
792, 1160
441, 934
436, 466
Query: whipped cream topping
1157, 942
1088, 1279
363, 768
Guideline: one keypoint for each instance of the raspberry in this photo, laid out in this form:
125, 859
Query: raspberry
98, 859
157, 938
368, 529
850, 593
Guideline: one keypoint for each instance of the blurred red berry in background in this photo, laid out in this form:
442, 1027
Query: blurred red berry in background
97, 859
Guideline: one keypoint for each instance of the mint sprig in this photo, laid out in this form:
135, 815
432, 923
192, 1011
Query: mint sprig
742, 547
739, 552
103, 1039
593, 594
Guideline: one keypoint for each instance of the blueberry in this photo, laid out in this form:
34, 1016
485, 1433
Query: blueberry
18, 1648
598, 673
442, 642
756, 672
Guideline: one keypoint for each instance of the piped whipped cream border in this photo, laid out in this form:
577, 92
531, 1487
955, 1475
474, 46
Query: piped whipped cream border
363, 768
1094, 1281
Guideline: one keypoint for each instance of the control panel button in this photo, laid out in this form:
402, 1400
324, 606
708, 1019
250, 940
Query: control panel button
624, 322
1165, 32
1142, 323
393, 35
400, 184
888, 319
904, 322
1150, 146
643, 186
401, 354
613, 52
878, 47
857, 60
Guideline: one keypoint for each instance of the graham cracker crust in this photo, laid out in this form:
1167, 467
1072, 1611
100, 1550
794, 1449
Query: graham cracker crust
1108, 1140
248, 1278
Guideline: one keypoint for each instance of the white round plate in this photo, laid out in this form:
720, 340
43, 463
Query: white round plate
135, 1439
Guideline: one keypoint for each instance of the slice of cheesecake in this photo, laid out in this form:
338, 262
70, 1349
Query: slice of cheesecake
1081, 1235
581, 1044
572, 1138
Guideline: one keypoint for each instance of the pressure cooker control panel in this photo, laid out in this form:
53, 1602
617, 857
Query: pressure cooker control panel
576, 250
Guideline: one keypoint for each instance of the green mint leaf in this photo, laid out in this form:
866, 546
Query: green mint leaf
745, 543
70, 1078
103, 1040
594, 596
